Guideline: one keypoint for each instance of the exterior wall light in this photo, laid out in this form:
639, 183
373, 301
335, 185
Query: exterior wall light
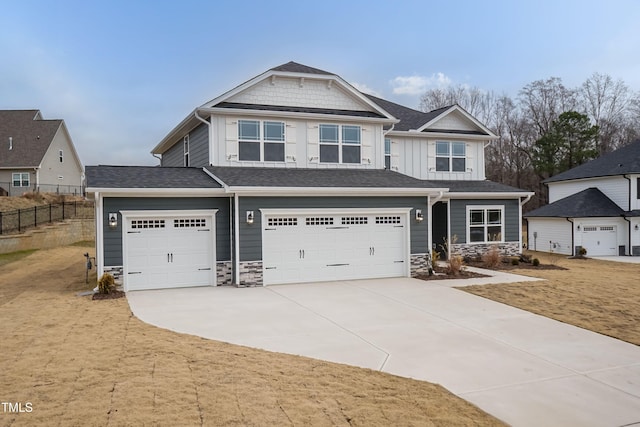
419, 216
578, 227
113, 220
636, 227
249, 217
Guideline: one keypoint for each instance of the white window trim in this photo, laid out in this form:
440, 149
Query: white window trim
485, 208
340, 144
261, 139
387, 155
185, 151
61, 156
13, 180
451, 156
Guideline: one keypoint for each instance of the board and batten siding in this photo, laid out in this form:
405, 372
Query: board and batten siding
458, 217
251, 234
551, 235
112, 245
616, 188
198, 149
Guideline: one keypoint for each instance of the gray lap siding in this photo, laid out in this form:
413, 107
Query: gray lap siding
113, 237
458, 217
251, 234
198, 149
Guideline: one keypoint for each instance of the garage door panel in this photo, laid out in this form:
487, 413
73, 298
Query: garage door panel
600, 240
323, 247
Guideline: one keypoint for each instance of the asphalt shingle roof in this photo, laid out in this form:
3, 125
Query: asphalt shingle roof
148, 177
330, 178
294, 67
409, 118
587, 203
477, 187
31, 137
298, 109
624, 160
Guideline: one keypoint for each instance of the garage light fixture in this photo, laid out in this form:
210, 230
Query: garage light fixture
636, 227
419, 216
249, 217
113, 220
578, 227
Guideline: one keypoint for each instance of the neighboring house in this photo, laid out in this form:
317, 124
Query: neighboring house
296, 176
37, 155
595, 206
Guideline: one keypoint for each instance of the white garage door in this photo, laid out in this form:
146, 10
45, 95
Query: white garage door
600, 240
324, 246
168, 251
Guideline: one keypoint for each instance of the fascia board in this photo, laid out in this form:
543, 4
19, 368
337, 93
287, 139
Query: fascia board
443, 135
464, 113
487, 195
296, 115
332, 191
158, 192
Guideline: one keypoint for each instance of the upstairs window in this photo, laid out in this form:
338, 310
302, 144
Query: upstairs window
486, 224
387, 153
451, 156
20, 179
638, 188
340, 143
60, 156
261, 141
185, 150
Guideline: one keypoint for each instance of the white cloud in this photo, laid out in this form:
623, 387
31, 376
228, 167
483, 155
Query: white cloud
366, 89
417, 85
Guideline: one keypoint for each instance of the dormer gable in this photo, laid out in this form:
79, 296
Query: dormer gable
296, 88
455, 119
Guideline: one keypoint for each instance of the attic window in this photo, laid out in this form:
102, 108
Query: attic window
60, 156
185, 150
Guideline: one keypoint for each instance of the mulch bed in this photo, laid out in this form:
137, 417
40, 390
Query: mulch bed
507, 266
112, 295
441, 274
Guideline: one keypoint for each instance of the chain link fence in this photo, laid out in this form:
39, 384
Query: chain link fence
19, 220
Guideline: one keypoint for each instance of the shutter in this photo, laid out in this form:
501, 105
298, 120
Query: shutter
231, 140
367, 145
290, 151
313, 143
395, 154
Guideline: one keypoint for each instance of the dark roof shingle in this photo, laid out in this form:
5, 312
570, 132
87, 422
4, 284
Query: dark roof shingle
590, 202
294, 67
30, 136
409, 118
148, 177
625, 160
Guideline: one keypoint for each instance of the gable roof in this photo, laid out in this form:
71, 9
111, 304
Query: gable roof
118, 177
30, 136
590, 202
294, 67
624, 160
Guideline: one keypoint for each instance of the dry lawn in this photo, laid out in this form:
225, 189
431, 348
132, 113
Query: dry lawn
601, 296
11, 203
83, 362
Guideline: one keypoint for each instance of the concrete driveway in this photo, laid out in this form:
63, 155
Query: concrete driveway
523, 368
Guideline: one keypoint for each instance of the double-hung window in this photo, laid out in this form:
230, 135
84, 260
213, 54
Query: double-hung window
20, 179
261, 141
387, 153
340, 143
451, 156
485, 224
185, 150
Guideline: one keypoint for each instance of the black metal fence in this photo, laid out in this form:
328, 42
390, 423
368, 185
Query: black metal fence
7, 189
22, 219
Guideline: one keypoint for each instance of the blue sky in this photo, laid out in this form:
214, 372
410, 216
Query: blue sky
122, 74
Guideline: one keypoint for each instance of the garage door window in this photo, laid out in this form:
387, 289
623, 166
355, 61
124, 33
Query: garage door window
387, 220
354, 220
189, 222
282, 222
147, 223
319, 221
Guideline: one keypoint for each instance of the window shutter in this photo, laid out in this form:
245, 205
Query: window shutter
313, 143
366, 138
290, 151
231, 139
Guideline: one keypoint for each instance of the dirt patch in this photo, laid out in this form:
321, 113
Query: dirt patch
112, 295
597, 295
441, 273
80, 362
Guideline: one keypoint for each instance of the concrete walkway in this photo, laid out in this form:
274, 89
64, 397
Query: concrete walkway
525, 369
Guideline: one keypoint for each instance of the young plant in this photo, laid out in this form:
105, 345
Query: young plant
535, 262
492, 257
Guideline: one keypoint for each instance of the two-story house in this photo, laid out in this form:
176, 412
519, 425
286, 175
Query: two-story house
296, 176
37, 155
595, 206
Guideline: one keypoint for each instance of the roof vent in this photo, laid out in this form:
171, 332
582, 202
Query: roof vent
10, 143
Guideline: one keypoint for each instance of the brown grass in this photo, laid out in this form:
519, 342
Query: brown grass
83, 362
597, 295
29, 200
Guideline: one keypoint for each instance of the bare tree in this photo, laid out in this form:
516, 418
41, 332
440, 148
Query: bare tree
542, 101
608, 104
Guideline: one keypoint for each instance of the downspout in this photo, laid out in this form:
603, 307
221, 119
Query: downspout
99, 215
628, 209
159, 157
573, 243
236, 231
522, 203
211, 151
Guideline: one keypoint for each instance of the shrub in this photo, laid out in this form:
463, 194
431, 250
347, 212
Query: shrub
582, 251
435, 256
535, 262
106, 284
492, 257
515, 261
455, 265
